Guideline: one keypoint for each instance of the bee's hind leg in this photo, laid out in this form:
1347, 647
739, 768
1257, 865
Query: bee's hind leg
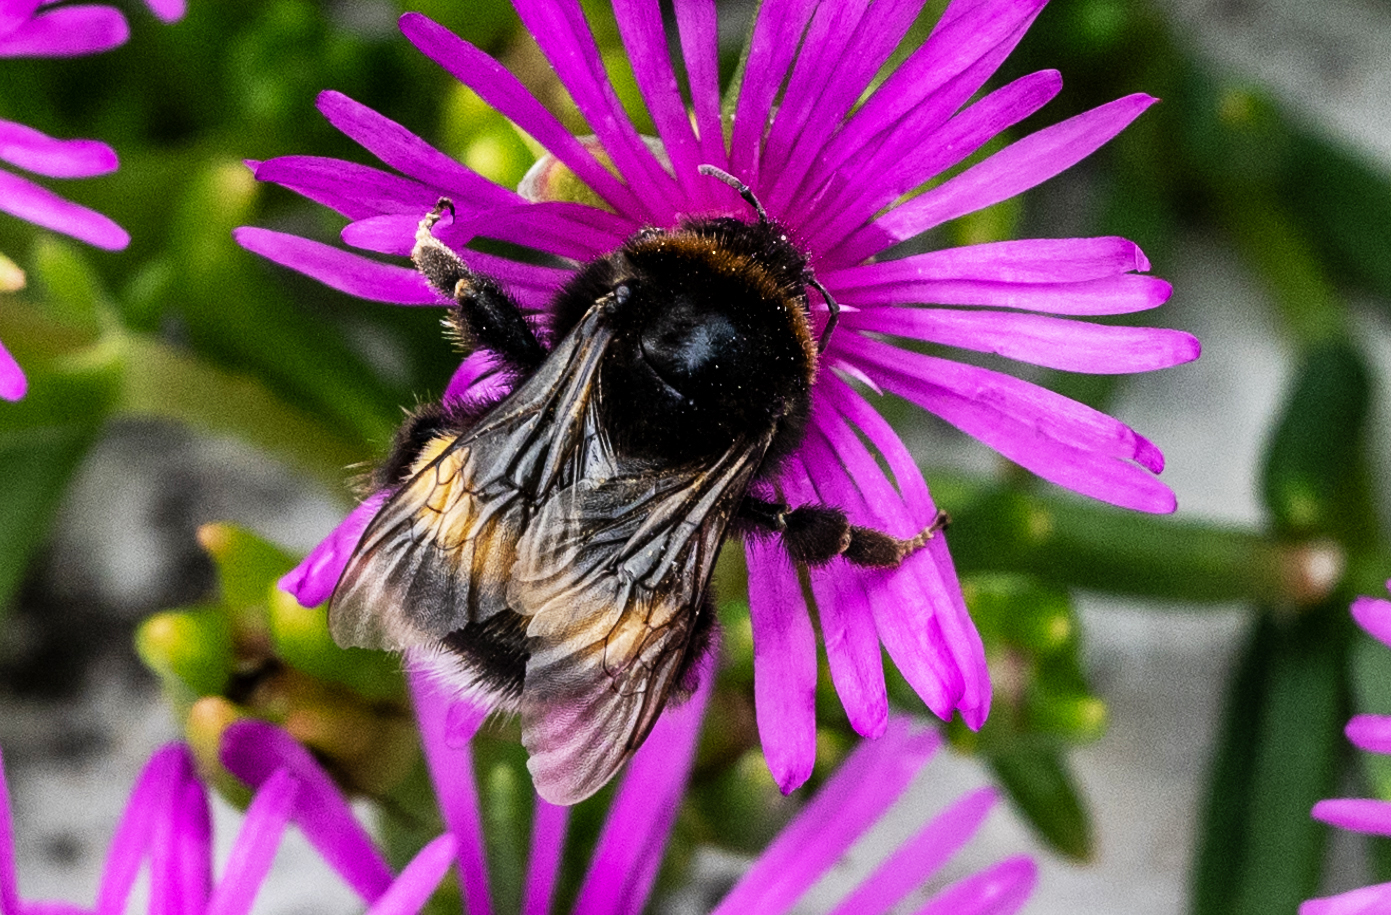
483, 314
816, 534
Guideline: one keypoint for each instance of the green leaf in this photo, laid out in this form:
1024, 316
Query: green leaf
1311, 462
1259, 850
1044, 790
43, 440
1070, 541
302, 640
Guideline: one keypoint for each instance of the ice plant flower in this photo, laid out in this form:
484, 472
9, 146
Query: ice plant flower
628, 854
1373, 734
26, 30
834, 158
167, 824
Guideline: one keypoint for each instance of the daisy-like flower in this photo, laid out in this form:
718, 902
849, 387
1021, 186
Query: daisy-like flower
629, 851
1371, 733
833, 156
27, 29
167, 824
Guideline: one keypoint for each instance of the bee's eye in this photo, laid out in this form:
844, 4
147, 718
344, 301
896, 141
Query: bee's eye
621, 294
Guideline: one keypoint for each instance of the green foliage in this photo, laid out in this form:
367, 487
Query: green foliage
188, 328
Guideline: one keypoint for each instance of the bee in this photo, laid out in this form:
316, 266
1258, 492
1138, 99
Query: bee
550, 552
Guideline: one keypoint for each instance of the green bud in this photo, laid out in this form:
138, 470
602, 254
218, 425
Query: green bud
190, 650
301, 639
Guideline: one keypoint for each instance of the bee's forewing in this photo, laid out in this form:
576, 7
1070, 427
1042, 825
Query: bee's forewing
612, 573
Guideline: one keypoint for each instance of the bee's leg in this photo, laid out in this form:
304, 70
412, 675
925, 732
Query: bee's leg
816, 534
484, 315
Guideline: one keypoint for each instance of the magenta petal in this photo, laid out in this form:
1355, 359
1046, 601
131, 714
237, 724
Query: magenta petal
338, 269
1031, 260
906, 603
821, 64
478, 377
32, 203
356, 191
69, 31
41, 154
136, 832
13, 384
167, 10
921, 856
548, 830
14, 13
1001, 889
313, 580
1056, 343
1374, 616
640, 26
9, 883
625, 863
918, 150
1013, 170
508, 96
418, 880
409, 154
444, 733
784, 659
966, 46
254, 751
847, 622
1357, 814
181, 854
1366, 900
1370, 732
255, 846
697, 20
1059, 439
1106, 296
560, 30
776, 37
800, 134
918, 610
864, 786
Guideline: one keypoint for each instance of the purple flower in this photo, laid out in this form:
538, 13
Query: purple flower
68, 31
628, 855
1373, 734
835, 172
166, 823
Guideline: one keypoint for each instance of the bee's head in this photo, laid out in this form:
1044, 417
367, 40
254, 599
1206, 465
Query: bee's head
712, 341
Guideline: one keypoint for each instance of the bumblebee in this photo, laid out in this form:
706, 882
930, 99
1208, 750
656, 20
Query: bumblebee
550, 552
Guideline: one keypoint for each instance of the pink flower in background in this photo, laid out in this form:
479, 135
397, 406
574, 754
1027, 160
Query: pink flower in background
29, 30
1371, 733
167, 825
624, 865
832, 161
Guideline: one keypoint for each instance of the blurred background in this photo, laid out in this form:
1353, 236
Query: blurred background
1171, 692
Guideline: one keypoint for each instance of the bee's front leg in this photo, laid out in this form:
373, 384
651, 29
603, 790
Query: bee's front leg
816, 534
484, 315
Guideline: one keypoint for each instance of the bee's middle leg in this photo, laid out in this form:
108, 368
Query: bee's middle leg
816, 534
484, 315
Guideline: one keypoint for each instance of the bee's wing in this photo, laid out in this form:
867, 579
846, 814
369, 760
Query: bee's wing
439, 553
611, 574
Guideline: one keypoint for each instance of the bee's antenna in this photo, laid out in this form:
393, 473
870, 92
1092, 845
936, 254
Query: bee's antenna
832, 306
832, 311
738, 185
